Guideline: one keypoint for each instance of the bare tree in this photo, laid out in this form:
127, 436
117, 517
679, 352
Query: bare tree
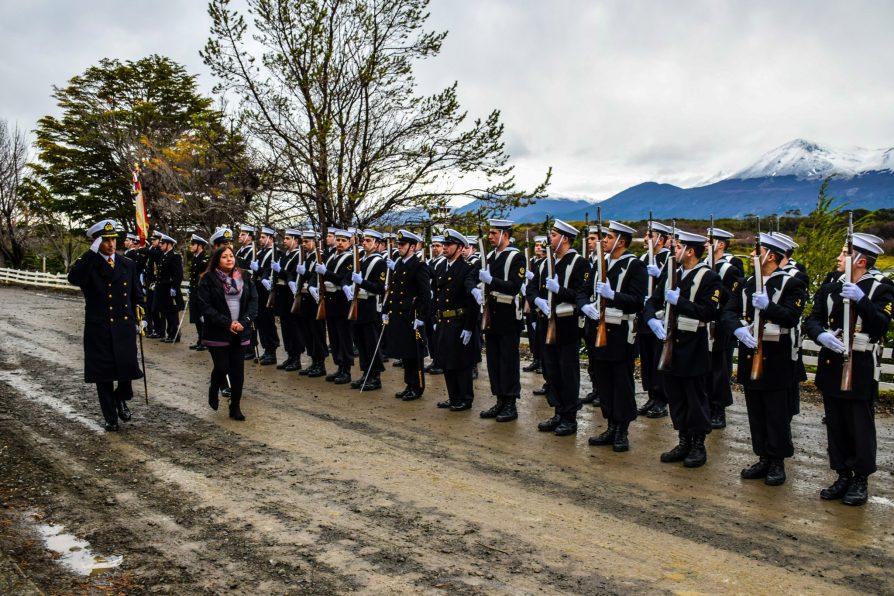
13, 211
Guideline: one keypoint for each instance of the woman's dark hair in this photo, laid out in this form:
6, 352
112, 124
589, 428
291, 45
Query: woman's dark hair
214, 262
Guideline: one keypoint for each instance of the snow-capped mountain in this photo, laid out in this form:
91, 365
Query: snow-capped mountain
806, 159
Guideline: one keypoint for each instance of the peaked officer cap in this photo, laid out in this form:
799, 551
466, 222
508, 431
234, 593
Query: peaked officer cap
405, 236
107, 228
166, 238
222, 235
454, 237
133, 237
198, 240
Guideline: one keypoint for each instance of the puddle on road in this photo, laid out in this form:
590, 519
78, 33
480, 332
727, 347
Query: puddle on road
73, 553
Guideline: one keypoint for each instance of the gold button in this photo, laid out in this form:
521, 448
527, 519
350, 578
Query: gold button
110, 308
125, 294
125, 317
110, 295
111, 320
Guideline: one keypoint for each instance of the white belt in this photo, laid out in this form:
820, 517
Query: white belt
502, 298
688, 324
330, 287
862, 343
362, 294
615, 316
564, 310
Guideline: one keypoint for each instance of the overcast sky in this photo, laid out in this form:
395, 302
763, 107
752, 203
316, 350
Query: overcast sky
608, 93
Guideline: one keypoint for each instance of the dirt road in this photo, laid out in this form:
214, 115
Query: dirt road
324, 490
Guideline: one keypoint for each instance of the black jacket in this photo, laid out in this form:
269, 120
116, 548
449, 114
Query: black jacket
213, 306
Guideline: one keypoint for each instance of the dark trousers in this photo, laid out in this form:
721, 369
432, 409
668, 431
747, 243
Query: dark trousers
291, 339
770, 421
413, 373
530, 319
459, 385
109, 396
649, 353
540, 340
850, 427
266, 323
616, 389
228, 361
720, 394
313, 336
503, 364
200, 326
341, 340
590, 346
688, 404
562, 367
365, 336
172, 320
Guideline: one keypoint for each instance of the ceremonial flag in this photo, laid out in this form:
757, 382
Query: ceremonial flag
140, 203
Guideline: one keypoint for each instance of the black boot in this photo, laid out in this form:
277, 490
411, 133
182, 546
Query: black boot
235, 412
444, 405
509, 411
541, 391
331, 376
212, 399
698, 455
343, 378
123, 410
282, 365
268, 358
622, 442
532, 367
645, 407
317, 370
679, 452
494, 411
839, 488
565, 428
294, 365
548, 426
657, 410
756, 470
776, 473
718, 417
373, 382
605, 438
858, 492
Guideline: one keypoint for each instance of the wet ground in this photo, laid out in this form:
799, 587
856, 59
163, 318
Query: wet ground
324, 490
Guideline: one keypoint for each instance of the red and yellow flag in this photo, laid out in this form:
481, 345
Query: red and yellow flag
142, 217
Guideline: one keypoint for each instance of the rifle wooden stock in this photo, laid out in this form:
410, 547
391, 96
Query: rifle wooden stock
321, 308
296, 301
757, 360
665, 361
550, 271
601, 331
271, 298
352, 311
485, 309
849, 318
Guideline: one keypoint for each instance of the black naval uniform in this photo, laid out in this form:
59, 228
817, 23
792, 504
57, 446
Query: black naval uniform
503, 336
367, 327
769, 399
244, 256
111, 294
717, 381
196, 271
266, 321
282, 305
614, 362
684, 383
588, 336
155, 322
166, 305
531, 323
850, 415
435, 264
312, 331
339, 267
456, 311
650, 347
409, 298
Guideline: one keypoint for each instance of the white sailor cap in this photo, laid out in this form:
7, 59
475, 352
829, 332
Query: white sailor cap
788, 240
454, 237
407, 236
196, 239
352, 230
133, 237
774, 242
720, 234
869, 237
247, 228
340, 233
310, 234
617, 226
865, 247
107, 228
690, 239
293, 232
166, 238
564, 228
595, 230
540, 239
438, 239
370, 233
268, 231
660, 227
222, 235
500, 224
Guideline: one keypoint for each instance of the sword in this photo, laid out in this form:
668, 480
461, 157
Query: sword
373, 358
182, 317
142, 356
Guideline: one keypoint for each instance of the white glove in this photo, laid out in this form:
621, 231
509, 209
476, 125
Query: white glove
417, 324
253, 266
743, 334
321, 269
524, 289
760, 300
434, 327
605, 290
349, 292
529, 275
485, 276
315, 292
552, 284
267, 284
653, 270
672, 296
828, 339
657, 328
534, 325
591, 311
142, 280
852, 291
356, 278
479, 296
384, 319
390, 264
543, 305
173, 293
95, 246
294, 287
301, 269
275, 266
466, 336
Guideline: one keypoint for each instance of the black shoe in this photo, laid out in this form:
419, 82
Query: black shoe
194, 346
166, 340
372, 384
461, 406
248, 355
316, 371
282, 365
268, 359
644, 409
589, 398
539, 370
331, 376
213, 401
401, 394
657, 411
434, 370
293, 366
605, 438
756, 470
541, 391
565, 428
698, 455
679, 452
201, 348
548, 426
357, 384
718, 419
123, 410
532, 367
509, 411
226, 392
398, 364
236, 413
622, 441
494, 411
474, 373
412, 394
111, 427
444, 404
306, 371
344, 378
839, 488
776, 473
153, 335
858, 492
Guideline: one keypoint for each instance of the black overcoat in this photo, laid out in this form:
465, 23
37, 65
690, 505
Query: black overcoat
213, 306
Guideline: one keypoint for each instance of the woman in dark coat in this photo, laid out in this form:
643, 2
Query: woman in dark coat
229, 306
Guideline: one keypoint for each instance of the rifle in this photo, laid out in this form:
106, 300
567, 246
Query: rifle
757, 361
527, 307
271, 298
670, 317
650, 247
352, 310
485, 309
321, 288
711, 263
601, 330
550, 271
586, 234
296, 301
849, 320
